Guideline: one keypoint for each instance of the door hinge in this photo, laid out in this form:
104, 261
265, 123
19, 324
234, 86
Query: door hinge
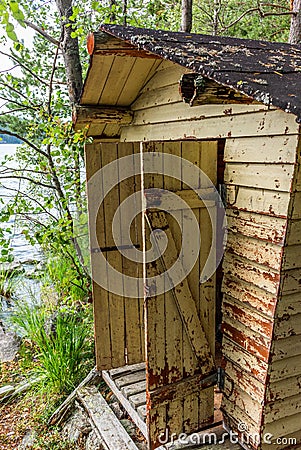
216, 378
220, 378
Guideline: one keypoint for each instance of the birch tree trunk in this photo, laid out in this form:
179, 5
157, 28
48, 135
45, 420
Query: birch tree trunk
186, 23
70, 50
295, 29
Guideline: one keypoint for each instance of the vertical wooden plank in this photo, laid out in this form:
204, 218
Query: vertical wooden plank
169, 349
155, 305
116, 302
207, 290
191, 152
155, 327
129, 267
174, 328
139, 240
100, 296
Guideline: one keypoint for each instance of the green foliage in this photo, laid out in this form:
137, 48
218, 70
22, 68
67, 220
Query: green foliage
8, 282
63, 343
68, 282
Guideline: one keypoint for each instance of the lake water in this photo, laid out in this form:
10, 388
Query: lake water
25, 254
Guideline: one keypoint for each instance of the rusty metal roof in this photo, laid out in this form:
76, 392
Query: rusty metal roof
268, 72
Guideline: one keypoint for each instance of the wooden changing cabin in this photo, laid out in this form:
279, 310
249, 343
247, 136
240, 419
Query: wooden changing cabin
232, 108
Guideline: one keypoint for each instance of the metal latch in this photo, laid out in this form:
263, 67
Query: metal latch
216, 378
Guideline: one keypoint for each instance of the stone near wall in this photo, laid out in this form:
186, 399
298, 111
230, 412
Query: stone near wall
27, 441
117, 410
94, 442
9, 345
77, 426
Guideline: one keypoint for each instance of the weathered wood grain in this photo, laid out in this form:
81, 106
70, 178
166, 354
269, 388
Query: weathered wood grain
246, 338
293, 236
283, 427
260, 201
125, 403
242, 125
250, 294
279, 409
248, 316
261, 252
100, 295
277, 177
116, 302
177, 344
97, 75
180, 111
101, 114
258, 226
126, 370
141, 71
133, 324
266, 149
263, 277
285, 348
285, 368
127, 380
235, 373
105, 421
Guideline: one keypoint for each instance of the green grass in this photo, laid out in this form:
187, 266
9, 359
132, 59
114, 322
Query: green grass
8, 282
62, 343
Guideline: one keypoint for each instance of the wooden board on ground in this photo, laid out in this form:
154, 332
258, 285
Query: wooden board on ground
122, 383
108, 426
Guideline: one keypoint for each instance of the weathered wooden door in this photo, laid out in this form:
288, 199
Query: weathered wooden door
180, 316
169, 321
113, 175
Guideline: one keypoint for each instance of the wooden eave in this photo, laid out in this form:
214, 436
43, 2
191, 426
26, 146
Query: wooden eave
267, 72
116, 74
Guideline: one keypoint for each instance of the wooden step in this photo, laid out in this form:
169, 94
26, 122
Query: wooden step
128, 384
106, 423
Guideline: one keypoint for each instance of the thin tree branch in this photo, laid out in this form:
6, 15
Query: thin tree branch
13, 170
8, 70
284, 13
42, 33
249, 11
260, 12
20, 177
34, 108
24, 194
23, 66
26, 141
15, 90
13, 110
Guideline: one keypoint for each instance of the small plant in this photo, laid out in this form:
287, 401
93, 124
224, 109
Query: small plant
62, 343
8, 281
65, 352
69, 280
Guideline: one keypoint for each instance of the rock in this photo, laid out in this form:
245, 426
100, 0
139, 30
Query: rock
9, 345
6, 390
11, 268
77, 426
28, 440
94, 442
119, 413
129, 426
